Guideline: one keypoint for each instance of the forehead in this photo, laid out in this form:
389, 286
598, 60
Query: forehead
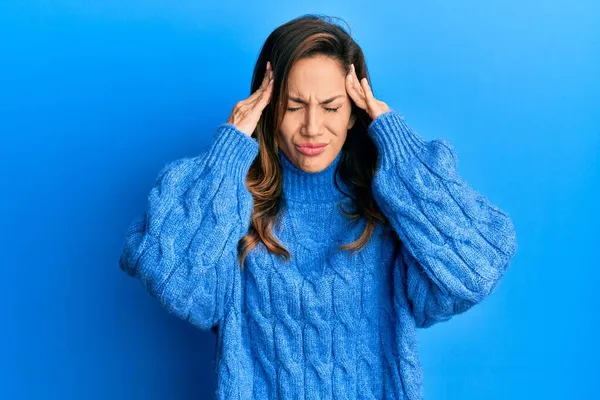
316, 75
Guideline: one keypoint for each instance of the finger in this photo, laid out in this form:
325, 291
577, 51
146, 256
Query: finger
266, 77
261, 101
252, 98
356, 88
369, 98
356, 81
349, 89
354, 93
266, 96
258, 92
357, 98
265, 81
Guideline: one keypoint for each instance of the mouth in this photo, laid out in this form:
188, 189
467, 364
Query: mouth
312, 145
311, 149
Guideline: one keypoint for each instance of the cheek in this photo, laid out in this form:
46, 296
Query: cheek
341, 120
284, 135
289, 120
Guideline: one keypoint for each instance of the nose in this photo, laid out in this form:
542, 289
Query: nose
313, 122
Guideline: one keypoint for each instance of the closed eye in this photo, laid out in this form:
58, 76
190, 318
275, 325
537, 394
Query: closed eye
326, 109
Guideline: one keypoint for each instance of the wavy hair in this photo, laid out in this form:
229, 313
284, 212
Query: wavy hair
304, 37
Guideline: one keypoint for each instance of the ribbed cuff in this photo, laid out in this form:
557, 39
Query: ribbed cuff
232, 150
395, 140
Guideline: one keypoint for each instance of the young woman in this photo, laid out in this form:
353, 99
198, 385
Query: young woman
317, 231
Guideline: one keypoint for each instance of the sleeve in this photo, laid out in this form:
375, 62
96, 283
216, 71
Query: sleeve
184, 247
454, 244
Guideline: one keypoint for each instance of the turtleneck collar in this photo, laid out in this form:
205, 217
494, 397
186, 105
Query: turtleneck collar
311, 187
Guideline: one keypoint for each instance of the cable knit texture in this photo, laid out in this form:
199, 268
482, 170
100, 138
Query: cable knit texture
330, 324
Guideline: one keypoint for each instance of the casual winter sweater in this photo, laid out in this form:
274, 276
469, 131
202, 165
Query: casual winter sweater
330, 324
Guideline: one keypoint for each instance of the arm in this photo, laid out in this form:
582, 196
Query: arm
455, 245
184, 247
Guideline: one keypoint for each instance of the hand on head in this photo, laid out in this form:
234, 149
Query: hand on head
362, 95
246, 113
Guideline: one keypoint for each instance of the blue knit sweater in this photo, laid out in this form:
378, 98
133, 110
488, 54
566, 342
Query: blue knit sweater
329, 324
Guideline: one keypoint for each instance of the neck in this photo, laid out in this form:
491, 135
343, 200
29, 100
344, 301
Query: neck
310, 187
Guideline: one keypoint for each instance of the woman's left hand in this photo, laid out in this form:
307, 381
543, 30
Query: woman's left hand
361, 93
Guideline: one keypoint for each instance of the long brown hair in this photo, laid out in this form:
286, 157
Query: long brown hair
304, 37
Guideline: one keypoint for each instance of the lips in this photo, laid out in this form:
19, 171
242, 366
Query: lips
312, 145
311, 149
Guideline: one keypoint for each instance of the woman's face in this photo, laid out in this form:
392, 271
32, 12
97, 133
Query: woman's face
318, 112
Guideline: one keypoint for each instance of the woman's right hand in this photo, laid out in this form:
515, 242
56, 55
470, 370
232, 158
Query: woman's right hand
246, 113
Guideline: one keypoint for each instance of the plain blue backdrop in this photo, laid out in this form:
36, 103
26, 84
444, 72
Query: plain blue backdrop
95, 97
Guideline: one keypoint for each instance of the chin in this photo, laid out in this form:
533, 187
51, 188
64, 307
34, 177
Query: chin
315, 164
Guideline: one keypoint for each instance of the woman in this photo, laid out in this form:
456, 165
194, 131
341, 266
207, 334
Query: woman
317, 231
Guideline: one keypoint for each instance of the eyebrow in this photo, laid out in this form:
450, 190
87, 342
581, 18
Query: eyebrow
299, 100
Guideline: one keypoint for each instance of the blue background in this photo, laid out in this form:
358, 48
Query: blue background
95, 97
